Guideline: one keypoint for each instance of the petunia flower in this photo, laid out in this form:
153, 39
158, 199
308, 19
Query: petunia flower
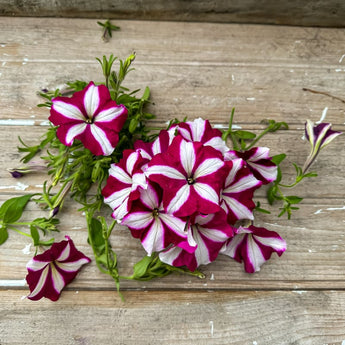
159, 145
237, 194
124, 183
319, 136
156, 228
209, 234
90, 116
191, 176
51, 271
201, 130
254, 246
258, 162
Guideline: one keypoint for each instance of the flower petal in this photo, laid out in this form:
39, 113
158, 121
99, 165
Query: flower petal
40, 284
69, 111
101, 137
179, 200
73, 132
91, 100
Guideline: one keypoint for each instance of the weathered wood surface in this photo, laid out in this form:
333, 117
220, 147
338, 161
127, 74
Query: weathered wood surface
295, 12
196, 70
205, 318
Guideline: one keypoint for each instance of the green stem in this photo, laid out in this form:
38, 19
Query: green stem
258, 138
19, 232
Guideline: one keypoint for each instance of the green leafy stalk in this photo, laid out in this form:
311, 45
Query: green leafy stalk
108, 28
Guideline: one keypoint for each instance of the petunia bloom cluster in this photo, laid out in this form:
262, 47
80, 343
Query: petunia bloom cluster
184, 194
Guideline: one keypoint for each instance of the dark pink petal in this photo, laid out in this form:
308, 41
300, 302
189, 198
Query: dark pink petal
238, 190
258, 161
254, 246
51, 271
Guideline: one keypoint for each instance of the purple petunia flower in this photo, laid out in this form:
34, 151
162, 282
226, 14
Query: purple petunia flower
90, 116
191, 176
254, 246
148, 221
51, 271
319, 136
125, 180
237, 194
258, 162
209, 234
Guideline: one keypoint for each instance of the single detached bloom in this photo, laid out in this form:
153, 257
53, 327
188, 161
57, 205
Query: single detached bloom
319, 136
201, 130
90, 116
237, 195
148, 221
254, 246
209, 233
258, 162
124, 183
52, 270
191, 176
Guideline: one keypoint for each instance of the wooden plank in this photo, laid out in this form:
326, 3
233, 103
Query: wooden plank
306, 12
257, 69
152, 318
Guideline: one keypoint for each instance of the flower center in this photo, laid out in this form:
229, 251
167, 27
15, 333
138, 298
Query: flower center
89, 120
190, 180
155, 212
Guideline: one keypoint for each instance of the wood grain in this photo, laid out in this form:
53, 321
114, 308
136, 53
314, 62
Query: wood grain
302, 12
153, 318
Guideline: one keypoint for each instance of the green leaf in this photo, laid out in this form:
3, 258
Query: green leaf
245, 135
140, 268
96, 234
146, 94
277, 159
12, 209
293, 199
35, 235
311, 174
3, 234
271, 194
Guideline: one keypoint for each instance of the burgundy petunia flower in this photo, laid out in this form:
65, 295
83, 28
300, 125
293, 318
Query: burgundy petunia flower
258, 162
200, 130
209, 234
191, 176
90, 116
254, 246
52, 270
237, 194
124, 183
148, 221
